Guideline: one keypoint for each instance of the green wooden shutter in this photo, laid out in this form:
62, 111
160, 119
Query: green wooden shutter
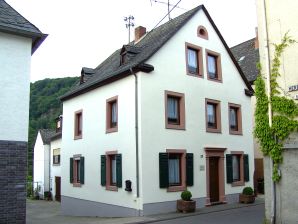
82, 170
246, 167
119, 170
71, 170
103, 170
229, 168
163, 170
189, 169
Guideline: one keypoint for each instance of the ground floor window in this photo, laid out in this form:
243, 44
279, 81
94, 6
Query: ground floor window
237, 168
77, 166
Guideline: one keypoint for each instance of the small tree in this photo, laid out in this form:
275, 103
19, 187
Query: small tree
284, 111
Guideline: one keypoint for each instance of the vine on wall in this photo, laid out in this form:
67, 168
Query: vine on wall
284, 111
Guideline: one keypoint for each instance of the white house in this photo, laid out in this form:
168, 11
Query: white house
169, 112
19, 39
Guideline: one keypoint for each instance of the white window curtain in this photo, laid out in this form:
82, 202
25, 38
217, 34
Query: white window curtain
212, 66
233, 118
114, 170
172, 108
174, 172
211, 113
236, 167
114, 113
192, 58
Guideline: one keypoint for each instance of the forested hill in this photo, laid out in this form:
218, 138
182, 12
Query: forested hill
45, 106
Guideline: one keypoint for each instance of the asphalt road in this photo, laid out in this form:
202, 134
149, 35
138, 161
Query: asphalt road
245, 215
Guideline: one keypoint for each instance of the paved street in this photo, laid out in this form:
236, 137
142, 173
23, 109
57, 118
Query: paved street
245, 215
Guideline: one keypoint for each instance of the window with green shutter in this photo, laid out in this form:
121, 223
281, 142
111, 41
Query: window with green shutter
71, 170
111, 170
103, 170
119, 170
189, 169
82, 170
163, 170
246, 168
229, 168
237, 168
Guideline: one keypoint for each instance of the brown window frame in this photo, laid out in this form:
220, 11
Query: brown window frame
239, 119
181, 110
218, 65
78, 131
109, 185
202, 32
217, 116
109, 127
76, 170
241, 181
182, 167
199, 52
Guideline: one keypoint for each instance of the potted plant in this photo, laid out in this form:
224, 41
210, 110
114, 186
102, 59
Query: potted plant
247, 195
185, 204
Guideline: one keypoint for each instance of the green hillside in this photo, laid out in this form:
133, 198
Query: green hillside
45, 106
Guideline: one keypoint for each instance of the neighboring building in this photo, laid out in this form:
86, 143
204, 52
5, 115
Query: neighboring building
247, 55
169, 112
46, 162
275, 19
18, 41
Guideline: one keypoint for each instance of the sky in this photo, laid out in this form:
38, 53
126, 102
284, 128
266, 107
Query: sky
84, 33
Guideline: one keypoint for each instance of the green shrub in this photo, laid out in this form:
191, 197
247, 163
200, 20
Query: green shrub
186, 195
248, 191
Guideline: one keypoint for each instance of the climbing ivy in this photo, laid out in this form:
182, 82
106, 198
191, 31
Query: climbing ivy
284, 111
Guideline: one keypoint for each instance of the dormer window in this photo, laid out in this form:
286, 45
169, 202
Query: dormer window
123, 58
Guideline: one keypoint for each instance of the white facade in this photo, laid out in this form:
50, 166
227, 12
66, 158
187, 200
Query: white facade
15, 59
55, 169
169, 75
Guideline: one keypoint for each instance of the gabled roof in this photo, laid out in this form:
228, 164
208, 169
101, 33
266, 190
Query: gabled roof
46, 135
247, 56
13, 22
111, 70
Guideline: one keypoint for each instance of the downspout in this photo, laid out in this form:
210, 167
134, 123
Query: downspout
136, 131
267, 67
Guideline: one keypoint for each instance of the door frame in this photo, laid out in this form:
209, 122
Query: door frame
216, 152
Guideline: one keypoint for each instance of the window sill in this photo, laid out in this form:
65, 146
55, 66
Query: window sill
235, 132
195, 75
213, 130
238, 183
176, 188
214, 80
110, 130
56, 164
76, 185
177, 127
76, 137
111, 188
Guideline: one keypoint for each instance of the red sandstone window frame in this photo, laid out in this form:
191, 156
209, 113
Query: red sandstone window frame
216, 104
241, 181
78, 124
181, 110
76, 170
109, 185
237, 107
109, 127
199, 54
217, 57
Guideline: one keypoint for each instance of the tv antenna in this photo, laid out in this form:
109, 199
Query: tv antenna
129, 23
168, 4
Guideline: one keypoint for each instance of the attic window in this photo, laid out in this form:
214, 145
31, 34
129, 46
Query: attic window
202, 32
123, 58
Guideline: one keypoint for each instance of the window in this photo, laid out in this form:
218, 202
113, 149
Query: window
237, 166
78, 124
202, 32
112, 115
77, 170
174, 110
194, 62
111, 170
56, 156
235, 120
175, 170
213, 66
213, 120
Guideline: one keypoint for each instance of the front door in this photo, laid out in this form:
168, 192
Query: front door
58, 188
214, 179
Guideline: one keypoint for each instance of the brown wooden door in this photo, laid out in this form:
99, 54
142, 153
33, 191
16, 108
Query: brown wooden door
213, 179
58, 188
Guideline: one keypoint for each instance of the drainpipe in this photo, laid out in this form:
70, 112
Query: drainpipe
267, 67
136, 131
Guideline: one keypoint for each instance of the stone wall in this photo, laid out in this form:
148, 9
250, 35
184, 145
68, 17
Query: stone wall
13, 168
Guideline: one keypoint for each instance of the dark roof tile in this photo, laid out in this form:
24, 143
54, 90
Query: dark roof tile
46, 135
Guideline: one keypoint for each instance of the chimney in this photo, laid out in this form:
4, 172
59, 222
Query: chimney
257, 39
140, 31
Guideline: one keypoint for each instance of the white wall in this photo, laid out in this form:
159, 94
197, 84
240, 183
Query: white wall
15, 56
95, 142
55, 169
39, 163
170, 74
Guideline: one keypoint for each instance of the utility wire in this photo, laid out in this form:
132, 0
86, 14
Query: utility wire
167, 14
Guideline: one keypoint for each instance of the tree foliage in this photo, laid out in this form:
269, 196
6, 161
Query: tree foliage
284, 111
